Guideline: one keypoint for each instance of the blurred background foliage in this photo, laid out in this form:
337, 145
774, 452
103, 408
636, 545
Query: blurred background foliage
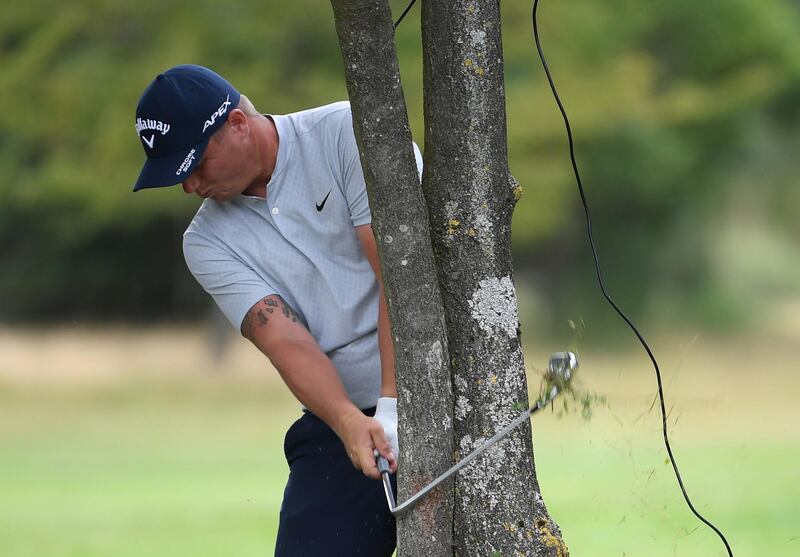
686, 117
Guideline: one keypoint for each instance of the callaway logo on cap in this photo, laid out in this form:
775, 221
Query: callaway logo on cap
176, 116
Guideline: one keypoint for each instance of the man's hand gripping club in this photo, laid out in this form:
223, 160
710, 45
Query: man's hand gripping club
363, 437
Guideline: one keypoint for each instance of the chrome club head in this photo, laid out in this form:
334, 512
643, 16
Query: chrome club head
562, 366
560, 370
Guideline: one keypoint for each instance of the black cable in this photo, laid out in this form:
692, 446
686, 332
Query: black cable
399, 19
603, 288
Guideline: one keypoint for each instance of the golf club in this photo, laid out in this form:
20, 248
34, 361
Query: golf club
560, 371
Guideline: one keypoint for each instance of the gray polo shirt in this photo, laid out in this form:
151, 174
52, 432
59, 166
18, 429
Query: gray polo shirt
301, 243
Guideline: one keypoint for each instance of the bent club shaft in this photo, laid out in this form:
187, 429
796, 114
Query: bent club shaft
562, 365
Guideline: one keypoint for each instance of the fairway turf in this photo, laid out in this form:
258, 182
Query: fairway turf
192, 465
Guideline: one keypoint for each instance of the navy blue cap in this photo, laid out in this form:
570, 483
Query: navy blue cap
176, 116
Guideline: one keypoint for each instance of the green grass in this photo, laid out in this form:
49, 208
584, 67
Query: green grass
733, 421
144, 469
193, 466
625, 500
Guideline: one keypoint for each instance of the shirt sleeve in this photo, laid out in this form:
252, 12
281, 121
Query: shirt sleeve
355, 187
233, 285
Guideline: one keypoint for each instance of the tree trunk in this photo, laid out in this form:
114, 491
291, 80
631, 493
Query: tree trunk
471, 195
400, 223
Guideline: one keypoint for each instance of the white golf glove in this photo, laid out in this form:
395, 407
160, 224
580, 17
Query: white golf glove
386, 414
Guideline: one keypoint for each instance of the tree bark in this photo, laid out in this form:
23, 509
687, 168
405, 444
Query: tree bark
471, 195
400, 223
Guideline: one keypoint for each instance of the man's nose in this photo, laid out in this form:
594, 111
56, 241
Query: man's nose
190, 184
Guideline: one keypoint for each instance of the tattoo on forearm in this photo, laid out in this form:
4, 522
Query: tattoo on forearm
289, 312
261, 312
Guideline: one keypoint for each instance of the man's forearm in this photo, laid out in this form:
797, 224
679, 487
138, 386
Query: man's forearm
314, 381
275, 329
388, 382
388, 379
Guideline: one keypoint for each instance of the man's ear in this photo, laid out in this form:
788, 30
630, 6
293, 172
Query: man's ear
237, 119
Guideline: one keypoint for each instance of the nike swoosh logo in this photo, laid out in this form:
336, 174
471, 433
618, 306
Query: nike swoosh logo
149, 143
321, 205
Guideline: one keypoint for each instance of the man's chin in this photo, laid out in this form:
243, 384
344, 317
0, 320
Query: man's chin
220, 197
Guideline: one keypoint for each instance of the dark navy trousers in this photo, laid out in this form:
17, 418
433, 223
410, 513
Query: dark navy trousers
329, 508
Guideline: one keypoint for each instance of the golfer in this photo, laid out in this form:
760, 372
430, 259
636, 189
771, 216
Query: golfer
284, 245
